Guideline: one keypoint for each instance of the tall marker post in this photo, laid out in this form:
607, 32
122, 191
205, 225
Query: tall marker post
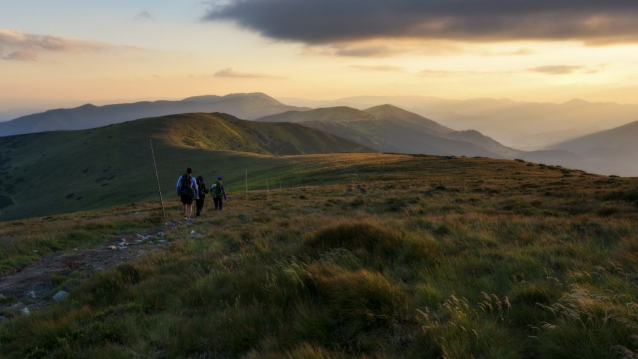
246, 185
267, 190
159, 189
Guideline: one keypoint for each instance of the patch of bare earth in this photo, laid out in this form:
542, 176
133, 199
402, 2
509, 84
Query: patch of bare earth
31, 287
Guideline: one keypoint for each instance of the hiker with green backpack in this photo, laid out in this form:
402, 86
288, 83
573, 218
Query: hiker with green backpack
218, 191
187, 190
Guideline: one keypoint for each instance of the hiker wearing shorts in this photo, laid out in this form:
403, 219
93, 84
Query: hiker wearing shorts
187, 190
218, 191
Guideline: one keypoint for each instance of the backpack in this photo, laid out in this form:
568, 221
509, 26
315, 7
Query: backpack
187, 186
216, 189
202, 189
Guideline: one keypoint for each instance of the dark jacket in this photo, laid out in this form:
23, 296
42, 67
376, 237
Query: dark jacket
202, 187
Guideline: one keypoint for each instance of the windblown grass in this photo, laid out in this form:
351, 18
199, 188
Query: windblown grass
437, 259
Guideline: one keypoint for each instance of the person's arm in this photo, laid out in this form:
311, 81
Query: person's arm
195, 189
224, 192
179, 185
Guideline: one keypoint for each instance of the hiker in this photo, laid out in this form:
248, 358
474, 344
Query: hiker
187, 190
218, 191
202, 195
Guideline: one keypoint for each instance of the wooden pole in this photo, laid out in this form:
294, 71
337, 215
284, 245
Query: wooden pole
246, 184
159, 189
267, 191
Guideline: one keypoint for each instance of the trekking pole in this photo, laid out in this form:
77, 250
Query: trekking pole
159, 189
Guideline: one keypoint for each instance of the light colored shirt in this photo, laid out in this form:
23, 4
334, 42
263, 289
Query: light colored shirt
193, 185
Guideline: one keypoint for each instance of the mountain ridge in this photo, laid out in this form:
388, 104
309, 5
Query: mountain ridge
111, 165
250, 106
388, 128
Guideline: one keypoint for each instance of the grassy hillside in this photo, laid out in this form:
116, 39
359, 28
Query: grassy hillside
376, 256
59, 172
388, 128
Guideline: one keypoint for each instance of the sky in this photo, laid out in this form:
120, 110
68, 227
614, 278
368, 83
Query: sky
70, 52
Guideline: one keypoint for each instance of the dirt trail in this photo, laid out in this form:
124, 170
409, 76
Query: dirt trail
32, 286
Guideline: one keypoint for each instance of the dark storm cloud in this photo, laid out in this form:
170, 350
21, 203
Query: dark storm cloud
330, 21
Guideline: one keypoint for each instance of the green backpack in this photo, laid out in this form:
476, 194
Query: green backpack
216, 189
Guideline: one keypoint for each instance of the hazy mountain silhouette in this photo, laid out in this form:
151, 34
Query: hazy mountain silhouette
610, 151
249, 106
522, 125
388, 128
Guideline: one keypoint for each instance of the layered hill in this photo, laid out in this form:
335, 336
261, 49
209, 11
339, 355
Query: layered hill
66, 171
249, 106
611, 151
522, 125
388, 128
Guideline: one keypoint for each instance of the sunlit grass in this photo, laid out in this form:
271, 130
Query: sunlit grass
456, 258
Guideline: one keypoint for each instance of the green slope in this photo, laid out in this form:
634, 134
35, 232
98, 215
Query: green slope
391, 129
59, 172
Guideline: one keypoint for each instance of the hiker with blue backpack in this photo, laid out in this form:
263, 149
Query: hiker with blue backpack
218, 191
187, 190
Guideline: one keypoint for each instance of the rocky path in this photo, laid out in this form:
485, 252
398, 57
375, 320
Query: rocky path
31, 288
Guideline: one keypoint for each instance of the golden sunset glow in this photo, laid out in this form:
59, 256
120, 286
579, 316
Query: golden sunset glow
164, 53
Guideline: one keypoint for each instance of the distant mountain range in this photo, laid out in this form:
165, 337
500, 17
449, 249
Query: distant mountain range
569, 139
66, 171
611, 151
522, 125
248, 106
388, 128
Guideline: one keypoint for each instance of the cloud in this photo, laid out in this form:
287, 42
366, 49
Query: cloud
336, 21
22, 55
453, 73
379, 68
556, 69
229, 72
519, 52
381, 49
352, 51
26, 47
144, 16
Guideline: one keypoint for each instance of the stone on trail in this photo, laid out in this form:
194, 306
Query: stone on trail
112, 247
2, 297
25, 311
30, 294
61, 295
193, 233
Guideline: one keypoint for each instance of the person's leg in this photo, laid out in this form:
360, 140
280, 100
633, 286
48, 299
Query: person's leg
221, 203
216, 200
184, 209
199, 207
